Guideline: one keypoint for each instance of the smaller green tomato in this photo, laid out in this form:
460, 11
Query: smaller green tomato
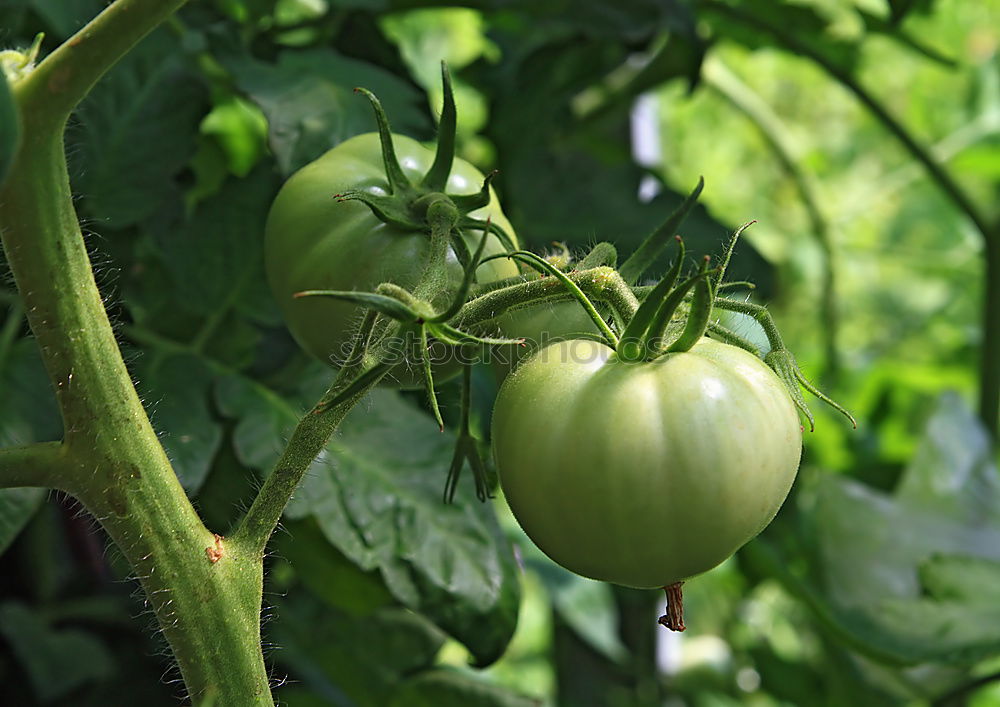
314, 242
539, 326
644, 474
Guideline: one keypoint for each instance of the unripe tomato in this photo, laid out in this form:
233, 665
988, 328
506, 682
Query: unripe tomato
644, 474
314, 242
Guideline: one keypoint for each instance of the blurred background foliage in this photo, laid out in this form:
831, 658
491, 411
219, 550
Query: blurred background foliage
878, 584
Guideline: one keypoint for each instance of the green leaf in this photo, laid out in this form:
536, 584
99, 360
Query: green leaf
445, 687
177, 392
139, 127
56, 661
308, 98
885, 584
10, 128
214, 258
327, 573
265, 418
352, 660
380, 504
16, 508
28, 411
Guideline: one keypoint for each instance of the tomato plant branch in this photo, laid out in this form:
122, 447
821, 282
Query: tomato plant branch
989, 381
603, 284
39, 465
728, 86
205, 593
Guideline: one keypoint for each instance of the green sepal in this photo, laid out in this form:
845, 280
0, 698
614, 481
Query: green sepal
728, 254
425, 365
652, 343
456, 337
699, 314
471, 202
728, 336
469, 223
388, 209
467, 450
389, 306
436, 178
399, 183
637, 263
783, 363
633, 348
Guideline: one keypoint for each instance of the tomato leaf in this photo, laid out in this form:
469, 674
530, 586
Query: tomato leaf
56, 661
309, 100
17, 506
377, 504
176, 390
898, 568
139, 128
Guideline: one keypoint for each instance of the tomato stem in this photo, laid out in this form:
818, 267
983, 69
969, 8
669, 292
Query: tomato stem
674, 616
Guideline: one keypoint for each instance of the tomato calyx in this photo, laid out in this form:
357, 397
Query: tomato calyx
425, 206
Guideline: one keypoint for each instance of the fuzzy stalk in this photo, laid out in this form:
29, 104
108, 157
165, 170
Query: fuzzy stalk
205, 592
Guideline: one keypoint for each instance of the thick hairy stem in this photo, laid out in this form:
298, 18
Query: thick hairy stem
205, 594
602, 284
40, 465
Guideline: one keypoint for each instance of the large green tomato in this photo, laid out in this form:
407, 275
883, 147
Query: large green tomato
314, 242
644, 474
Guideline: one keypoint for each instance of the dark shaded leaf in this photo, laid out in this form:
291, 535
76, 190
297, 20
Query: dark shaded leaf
56, 661
876, 25
177, 394
16, 508
589, 190
308, 98
349, 660
28, 411
445, 687
10, 128
67, 16
380, 504
214, 258
765, 23
139, 127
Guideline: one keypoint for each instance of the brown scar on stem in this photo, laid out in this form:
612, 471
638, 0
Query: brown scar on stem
215, 553
674, 618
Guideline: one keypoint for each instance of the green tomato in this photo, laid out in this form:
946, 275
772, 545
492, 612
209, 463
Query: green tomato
644, 474
314, 242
